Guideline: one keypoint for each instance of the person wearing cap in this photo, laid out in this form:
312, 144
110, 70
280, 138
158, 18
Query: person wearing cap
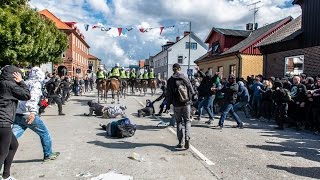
182, 107
230, 94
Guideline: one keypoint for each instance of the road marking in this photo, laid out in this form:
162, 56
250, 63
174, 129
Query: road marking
195, 150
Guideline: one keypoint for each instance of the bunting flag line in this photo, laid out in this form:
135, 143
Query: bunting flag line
161, 29
105, 29
86, 27
129, 29
120, 31
124, 30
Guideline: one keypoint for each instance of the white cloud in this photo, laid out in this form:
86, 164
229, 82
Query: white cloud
204, 14
100, 5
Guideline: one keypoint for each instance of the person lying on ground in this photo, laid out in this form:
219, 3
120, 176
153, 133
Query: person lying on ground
148, 110
114, 111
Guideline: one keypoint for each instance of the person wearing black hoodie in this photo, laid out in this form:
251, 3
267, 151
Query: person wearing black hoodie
207, 90
12, 89
230, 94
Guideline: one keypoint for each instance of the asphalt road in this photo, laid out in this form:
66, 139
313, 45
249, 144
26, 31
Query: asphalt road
255, 152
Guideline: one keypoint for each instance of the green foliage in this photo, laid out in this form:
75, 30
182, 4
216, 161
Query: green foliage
26, 36
13, 3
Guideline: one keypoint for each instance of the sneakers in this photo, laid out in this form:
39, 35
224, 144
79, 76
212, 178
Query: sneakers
240, 126
179, 146
61, 114
53, 156
158, 114
208, 122
187, 144
10, 178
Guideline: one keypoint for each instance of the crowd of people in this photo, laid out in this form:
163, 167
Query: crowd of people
293, 100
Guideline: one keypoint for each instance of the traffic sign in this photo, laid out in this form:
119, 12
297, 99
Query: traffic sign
190, 72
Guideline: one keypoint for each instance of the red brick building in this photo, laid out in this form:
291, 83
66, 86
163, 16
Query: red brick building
75, 58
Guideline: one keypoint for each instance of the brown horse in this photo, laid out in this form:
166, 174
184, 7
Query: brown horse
153, 86
101, 87
145, 86
114, 85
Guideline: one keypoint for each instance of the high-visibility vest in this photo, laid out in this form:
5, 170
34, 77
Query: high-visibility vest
123, 75
128, 74
116, 72
145, 76
140, 76
151, 75
133, 75
100, 75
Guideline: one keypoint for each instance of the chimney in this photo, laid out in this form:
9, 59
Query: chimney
177, 38
186, 33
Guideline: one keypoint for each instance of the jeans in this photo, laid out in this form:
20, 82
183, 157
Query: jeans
256, 105
38, 126
207, 103
182, 114
228, 107
242, 105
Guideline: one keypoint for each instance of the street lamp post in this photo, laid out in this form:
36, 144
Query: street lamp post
189, 75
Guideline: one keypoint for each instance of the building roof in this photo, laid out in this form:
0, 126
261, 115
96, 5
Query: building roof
59, 24
228, 32
92, 57
296, 1
257, 35
287, 32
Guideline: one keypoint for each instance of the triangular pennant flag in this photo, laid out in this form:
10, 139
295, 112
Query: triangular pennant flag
129, 29
120, 31
148, 29
86, 27
142, 30
105, 29
96, 26
161, 29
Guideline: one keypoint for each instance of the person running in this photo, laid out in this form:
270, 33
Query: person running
230, 94
27, 115
12, 89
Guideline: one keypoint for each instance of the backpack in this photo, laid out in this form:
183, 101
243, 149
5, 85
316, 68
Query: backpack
121, 128
282, 95
182, 91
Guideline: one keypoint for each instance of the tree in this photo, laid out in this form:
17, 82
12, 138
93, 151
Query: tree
26, 36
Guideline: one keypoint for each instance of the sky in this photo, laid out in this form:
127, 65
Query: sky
134, 45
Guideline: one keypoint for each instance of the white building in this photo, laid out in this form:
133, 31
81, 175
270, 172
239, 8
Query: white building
178, 52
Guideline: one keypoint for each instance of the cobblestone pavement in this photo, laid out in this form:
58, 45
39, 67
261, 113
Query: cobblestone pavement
256, 152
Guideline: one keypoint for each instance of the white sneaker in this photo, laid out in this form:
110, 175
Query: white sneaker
10, 178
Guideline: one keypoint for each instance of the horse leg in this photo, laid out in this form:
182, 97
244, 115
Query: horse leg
98, 96
118, 97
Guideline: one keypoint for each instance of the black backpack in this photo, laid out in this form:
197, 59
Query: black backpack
282, 95
182, 91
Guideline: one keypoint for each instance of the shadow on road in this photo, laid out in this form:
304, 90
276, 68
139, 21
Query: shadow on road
311, 172
27, 161
129, 145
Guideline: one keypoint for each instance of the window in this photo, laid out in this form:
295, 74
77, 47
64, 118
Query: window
215, 49
193, 45
220, 70
233, 69
180, 59
63, 54
294, 65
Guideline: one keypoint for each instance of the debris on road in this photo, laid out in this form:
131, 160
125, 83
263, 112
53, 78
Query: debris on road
111, 176
84, 175
136, 156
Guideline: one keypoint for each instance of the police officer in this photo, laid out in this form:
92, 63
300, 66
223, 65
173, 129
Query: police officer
123, 73
151, 74
145, 75
115, 72
100, 75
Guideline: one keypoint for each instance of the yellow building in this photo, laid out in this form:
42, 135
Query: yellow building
241, 59
93, 63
